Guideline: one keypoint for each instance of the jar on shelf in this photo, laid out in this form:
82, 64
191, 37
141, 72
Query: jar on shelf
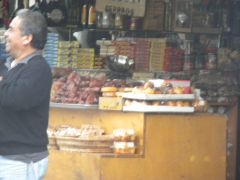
99, 19
118, 21
211, 59
199, 61
107, 21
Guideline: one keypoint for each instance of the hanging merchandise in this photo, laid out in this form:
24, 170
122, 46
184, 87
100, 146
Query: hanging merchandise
1, 13
40, 6
73, 11
43, 6
5, 11
56, 13
235, 20
35, 6
18, 5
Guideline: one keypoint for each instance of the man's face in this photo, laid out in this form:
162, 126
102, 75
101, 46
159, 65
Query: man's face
14, 39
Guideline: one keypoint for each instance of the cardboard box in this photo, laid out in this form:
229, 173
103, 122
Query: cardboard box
110, 103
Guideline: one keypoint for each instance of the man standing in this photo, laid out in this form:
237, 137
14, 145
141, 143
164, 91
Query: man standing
24, 100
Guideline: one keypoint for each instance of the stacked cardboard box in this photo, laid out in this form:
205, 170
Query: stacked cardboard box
99, 63
68, 54
173, 60
86, 58
124, 47
106, 48
71, 55
51, 49
141, 57
157, 53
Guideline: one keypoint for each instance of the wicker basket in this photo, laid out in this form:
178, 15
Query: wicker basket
101, 144
52, 143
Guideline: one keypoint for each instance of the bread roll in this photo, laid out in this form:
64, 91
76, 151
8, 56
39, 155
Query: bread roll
109, 89
109, 94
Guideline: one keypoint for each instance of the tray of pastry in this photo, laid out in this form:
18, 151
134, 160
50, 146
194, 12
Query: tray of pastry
161, 109
144, 96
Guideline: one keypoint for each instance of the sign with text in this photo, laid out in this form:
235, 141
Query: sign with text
124, 7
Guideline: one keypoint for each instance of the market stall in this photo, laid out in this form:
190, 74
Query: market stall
103, 127
161, 123
190, 145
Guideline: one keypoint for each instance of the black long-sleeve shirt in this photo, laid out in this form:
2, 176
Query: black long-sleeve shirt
24, 107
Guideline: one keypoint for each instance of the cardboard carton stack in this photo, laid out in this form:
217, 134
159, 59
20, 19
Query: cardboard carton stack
68, 53
157, 53
173, 60
51, 49
141, 58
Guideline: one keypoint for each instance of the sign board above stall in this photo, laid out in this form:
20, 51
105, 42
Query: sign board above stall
124, 7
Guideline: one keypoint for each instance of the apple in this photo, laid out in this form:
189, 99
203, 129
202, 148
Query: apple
187, 90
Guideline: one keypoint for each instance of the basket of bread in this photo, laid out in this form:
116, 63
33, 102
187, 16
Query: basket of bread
88, 138
164, 97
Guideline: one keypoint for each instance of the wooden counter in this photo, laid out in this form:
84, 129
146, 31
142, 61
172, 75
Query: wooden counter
170, 147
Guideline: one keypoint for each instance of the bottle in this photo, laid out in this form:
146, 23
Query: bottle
43, 6
84, 17
99, 19
106, 20
91, 14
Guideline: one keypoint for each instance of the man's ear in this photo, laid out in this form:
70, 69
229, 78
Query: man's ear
27, 39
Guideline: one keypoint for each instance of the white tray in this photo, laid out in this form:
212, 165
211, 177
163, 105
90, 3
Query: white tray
142, 96
164, 109
73, 106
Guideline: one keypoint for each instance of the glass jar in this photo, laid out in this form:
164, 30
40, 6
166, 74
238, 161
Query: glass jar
211, 61
118, 22
99, 19
199, 61
106, 20
188, 64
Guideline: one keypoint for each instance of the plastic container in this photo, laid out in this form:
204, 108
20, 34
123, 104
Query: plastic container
124, 135
124, 148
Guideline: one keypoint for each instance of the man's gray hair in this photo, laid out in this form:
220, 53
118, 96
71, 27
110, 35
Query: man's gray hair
33, 23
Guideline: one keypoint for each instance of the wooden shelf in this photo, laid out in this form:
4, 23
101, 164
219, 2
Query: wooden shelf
112, 155
207, 30
222, 103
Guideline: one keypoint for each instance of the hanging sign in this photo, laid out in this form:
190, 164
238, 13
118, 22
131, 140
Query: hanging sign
124, 7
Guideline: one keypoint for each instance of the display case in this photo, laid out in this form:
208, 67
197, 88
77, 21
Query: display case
198, 16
